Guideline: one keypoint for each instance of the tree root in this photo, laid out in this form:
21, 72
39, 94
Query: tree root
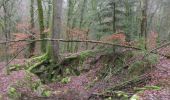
46, 69
37, 64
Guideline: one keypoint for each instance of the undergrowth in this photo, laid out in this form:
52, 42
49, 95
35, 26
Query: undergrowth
114, 62
29, 83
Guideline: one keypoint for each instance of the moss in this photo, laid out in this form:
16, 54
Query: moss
85, 54
147, 88
13, 94
39, 58
122, 95
15, 67
135, 97
31, 83
109, 98
35, 65
66, 80
46, 93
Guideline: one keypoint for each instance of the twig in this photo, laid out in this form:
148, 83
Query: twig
16, 55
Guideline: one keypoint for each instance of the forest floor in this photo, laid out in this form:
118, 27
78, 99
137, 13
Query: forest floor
87, 84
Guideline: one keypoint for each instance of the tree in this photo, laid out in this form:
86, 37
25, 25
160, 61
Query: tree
7, 23
144, 21
56, 28
41, 25
69, 19
6, 31
82, 13
49, 13
32, 44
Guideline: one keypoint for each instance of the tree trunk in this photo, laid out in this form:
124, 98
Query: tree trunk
144, 21
82, 13
49, 13
81, 21
56, 28
32, 44
114, 17
6, 31
69, 17
41, 24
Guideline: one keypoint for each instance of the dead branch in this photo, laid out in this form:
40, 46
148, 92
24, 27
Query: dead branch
89, 41
164, 45
154, 50
63, 40
15, 56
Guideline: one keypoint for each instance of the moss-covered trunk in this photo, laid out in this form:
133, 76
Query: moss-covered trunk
41, 24
32, 44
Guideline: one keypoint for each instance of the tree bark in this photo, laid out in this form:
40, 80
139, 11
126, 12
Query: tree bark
144, 21
49, 13
6, 31
32, 44
69, 17
82, 13
81, 21
41, 25
56, 28
114, 17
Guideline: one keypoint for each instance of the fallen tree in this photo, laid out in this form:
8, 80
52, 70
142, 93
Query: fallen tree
91, 41
39, 64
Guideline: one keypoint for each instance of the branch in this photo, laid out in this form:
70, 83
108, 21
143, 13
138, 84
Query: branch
164, 45
154, 50
15, 56
63, 40
90, 41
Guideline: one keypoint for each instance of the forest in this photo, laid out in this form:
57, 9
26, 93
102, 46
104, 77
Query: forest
84, 50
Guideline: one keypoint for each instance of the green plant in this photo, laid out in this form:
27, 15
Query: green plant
46, 93
68, 71
109, 98
141, 43
122, 95
152, 59
15, 67
135, 66
85, 54
66, 80
135, 97
12, 93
